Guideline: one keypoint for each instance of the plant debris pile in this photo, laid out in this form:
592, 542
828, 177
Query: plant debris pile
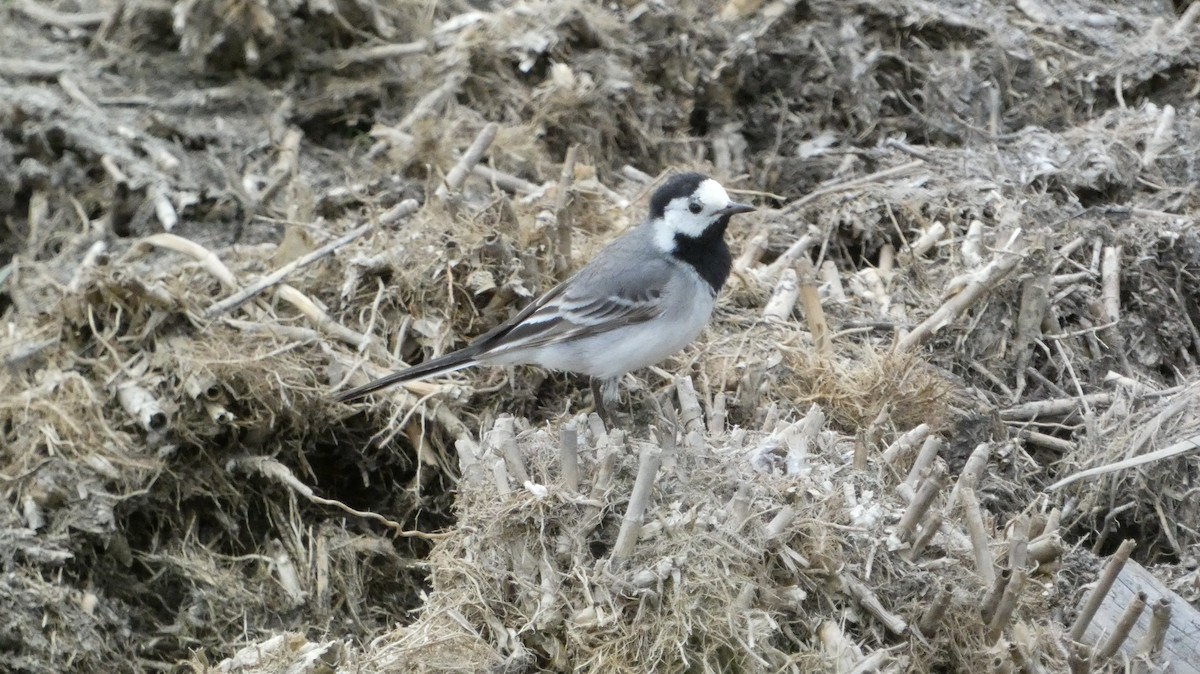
954, 369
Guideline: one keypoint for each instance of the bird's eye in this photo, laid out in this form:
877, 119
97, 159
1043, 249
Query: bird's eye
695, 207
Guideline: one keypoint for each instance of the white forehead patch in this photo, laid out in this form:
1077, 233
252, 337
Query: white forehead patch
712, 196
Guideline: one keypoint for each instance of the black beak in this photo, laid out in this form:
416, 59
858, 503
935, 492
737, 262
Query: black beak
734, 208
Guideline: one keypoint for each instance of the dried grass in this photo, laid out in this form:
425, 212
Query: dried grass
527, 578
1042, 155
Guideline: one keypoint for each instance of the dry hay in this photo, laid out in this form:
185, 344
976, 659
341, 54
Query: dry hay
176, 481
1148, 494
754, 543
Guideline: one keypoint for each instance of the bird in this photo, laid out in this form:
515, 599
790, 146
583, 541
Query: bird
645, 296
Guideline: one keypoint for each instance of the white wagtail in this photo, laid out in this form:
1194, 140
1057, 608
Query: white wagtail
645, 296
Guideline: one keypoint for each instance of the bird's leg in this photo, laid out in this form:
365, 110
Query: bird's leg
598, 403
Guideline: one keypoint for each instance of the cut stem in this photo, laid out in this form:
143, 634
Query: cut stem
1008, 603
984, 566
631, 525
1160, 621
458, 175
1107, 577
569, 457
987, 607
1122, 629
932, 617
930, 488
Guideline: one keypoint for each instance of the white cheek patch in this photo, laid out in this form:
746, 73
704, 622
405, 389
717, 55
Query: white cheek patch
675, 219
664, 230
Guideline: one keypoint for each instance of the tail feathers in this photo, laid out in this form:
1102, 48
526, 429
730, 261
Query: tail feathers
447, 363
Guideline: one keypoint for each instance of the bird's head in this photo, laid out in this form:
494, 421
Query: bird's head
692, 206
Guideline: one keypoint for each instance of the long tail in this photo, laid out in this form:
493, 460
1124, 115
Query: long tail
447, 363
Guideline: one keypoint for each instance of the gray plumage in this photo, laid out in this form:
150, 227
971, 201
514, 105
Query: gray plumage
642, 298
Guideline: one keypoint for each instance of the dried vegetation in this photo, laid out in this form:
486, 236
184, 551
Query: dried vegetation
955, 368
